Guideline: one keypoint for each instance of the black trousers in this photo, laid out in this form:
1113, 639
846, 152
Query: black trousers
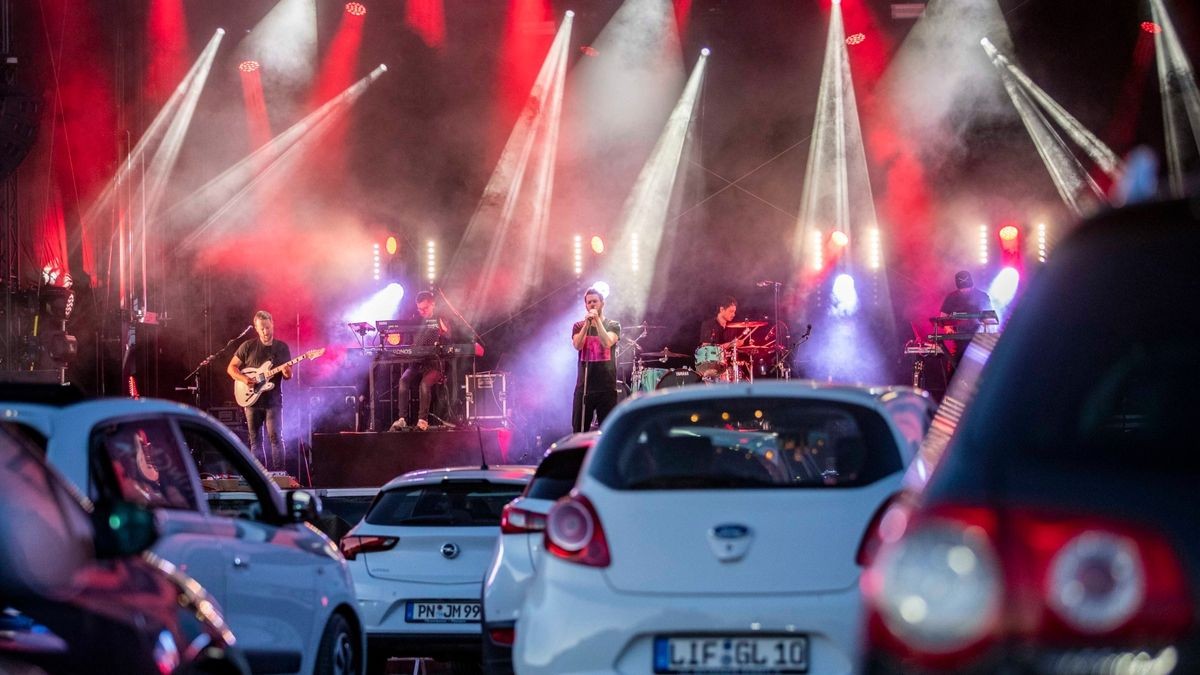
598, 401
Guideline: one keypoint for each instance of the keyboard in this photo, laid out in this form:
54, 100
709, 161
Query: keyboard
424, 351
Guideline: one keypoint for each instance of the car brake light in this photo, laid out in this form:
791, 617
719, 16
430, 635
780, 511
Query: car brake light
963, 578
574, 533
515, 520
886, 517
503, 636
353, 545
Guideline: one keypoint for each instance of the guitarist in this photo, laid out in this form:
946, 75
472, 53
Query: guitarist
268, 409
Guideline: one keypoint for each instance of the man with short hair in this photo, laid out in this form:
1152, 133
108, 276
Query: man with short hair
596, 382
425, 373
964, 299
268, 409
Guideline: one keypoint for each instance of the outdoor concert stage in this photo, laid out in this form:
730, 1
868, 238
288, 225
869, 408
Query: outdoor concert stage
358, 459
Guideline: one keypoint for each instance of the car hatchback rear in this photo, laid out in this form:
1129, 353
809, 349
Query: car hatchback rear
419, 556
718, 530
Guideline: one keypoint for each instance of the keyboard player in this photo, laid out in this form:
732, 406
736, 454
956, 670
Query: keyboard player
964, 299
425, 373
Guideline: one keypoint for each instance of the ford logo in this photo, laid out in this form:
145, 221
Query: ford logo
450, 550
730, 531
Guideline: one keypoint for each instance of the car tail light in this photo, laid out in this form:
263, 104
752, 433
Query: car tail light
352, 545
515, 520
885, 516
960, 579
503, 636
574, 532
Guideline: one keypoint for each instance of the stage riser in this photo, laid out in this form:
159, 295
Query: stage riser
372, 459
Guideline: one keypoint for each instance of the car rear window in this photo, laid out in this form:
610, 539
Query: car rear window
751, 443
556, 474
466, 503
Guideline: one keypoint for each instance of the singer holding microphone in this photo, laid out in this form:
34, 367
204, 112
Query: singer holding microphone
596, 382
268, 409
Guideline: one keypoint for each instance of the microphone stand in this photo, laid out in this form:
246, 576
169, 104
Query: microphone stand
195, 387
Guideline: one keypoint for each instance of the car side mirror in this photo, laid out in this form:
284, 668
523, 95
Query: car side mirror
303, 506
122, 529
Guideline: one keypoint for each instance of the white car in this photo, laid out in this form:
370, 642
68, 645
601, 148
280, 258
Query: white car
284, 588
418, 558
720, 529
519, 546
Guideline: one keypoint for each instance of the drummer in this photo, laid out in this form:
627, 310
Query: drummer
715, 331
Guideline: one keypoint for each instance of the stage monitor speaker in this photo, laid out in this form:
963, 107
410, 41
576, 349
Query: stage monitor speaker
487, 397
333, 409
233, 418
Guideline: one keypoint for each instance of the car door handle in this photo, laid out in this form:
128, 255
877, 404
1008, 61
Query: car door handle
239, 561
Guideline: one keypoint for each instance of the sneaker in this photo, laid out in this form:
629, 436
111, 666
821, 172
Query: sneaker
422, 425
398, 425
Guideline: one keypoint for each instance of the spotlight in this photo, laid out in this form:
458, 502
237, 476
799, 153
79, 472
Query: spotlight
589, 50
705, 52
570, 14
220, 31
431, 261
602, 288
1009, 233
248, 66
856, 39
1151, 27
392, 245
597, 244
845, 296
577, 250
839, 239
1004, 287
383, 67
356, 9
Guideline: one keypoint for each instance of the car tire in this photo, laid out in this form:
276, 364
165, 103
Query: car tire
338, 652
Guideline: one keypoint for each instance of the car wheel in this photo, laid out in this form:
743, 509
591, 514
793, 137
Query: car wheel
338, 651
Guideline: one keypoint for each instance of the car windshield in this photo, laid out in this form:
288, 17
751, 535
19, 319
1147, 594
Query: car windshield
749, 443
463, 503
556, 474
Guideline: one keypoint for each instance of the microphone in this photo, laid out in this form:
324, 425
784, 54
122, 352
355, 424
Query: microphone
807, 330
248, 329
767, 282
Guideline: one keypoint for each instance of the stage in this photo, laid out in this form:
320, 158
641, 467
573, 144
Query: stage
359, 459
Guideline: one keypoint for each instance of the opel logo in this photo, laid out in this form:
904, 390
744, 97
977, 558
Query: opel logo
450, 550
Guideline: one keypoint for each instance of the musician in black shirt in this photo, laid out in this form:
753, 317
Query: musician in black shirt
268, 409
427, 372
964, 299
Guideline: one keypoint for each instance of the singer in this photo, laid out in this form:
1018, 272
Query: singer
596, 382
268, 409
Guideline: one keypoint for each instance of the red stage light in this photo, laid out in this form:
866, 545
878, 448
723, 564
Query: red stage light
1151, 27
589, 50
356, 9
1009, 233
248, 66
839, 238
855, 39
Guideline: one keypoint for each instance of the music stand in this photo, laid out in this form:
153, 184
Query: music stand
423, 332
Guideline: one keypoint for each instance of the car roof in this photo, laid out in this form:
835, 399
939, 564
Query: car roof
867, 395
574, 441
503, 473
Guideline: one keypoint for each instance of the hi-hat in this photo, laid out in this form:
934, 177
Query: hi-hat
746, 324
664, 354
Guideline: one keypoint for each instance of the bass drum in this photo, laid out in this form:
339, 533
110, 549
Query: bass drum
649, 379
678, 378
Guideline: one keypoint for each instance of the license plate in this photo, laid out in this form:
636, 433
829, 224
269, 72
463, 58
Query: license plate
711, 654
441, 611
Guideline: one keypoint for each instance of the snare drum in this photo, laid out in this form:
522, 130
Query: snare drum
679, 377
649, 379
709, 360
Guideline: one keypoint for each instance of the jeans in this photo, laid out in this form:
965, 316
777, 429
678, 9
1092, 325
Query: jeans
273, 419
424, 377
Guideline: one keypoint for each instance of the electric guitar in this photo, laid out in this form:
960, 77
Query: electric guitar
247, 394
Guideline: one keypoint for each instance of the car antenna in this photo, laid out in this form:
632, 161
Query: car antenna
482, 457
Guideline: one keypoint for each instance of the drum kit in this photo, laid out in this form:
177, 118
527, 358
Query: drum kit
738, 362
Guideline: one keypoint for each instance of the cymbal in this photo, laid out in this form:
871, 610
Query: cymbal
646, 326
757, 348
746, 324
664, 354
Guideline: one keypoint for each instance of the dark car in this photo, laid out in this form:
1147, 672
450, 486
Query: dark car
1059, 530
79, 593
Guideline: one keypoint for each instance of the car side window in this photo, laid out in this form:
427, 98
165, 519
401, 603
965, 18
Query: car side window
230, 487
145, 463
